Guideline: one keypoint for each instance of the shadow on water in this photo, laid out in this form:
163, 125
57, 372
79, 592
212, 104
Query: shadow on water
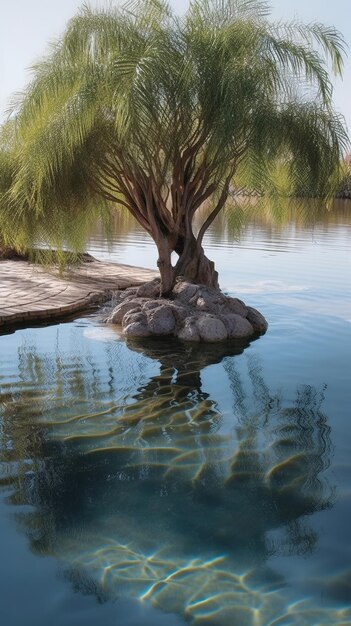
164, 498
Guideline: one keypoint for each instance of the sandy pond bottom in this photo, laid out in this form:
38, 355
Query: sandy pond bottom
153, 483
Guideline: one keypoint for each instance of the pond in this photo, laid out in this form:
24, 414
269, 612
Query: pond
155, 482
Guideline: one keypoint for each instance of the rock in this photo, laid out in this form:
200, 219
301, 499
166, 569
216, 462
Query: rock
189, 332
127, 293
161, 321
180, 311
202, 304
234, 305
206, 303
256, 319
211, 328
237, 326
150, 289
137, 329
134, 316
121, 309
210, 300
151, 304
195, 313
185, 291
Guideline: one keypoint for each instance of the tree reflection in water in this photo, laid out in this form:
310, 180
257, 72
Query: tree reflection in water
157, 498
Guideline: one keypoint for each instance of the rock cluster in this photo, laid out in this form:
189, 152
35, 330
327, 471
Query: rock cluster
193, 313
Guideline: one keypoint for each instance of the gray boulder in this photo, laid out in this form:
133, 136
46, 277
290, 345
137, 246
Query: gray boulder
134, 316
185, 291
149, 305
256, 319
161, 320
234, 305
210, 300
189, 331
237, 327
180, 311
211, 328
121, 309
137, 329
150, 289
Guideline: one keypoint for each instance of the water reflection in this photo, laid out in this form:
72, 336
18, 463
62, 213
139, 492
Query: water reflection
160, 496
281, 226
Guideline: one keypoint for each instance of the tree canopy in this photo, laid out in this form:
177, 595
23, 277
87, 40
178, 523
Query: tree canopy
138, 107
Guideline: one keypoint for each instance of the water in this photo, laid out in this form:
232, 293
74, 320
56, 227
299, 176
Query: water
152, 483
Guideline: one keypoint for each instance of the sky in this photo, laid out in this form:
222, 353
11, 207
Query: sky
26, 26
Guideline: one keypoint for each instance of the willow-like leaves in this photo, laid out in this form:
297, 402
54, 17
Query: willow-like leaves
140, 108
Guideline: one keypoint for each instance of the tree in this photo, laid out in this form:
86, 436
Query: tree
140, 108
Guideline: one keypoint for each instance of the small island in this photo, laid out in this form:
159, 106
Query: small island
162, 116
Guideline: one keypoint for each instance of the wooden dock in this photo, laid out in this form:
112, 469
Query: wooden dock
33, 293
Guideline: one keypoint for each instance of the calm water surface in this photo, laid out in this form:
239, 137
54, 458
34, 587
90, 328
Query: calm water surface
151, 484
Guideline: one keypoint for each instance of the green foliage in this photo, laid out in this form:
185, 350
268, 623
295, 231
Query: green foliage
344, 189
135, 101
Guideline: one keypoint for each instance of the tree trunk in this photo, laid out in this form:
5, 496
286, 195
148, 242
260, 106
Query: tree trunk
165, 266
193, 265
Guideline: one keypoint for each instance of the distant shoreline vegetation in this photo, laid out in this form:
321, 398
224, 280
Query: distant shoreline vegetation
344, 190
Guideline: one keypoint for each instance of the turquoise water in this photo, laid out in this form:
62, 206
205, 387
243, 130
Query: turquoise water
152, 483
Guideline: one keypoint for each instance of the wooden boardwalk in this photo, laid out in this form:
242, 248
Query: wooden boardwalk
33, 293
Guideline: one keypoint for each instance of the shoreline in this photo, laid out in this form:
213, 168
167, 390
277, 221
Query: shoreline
29, 292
